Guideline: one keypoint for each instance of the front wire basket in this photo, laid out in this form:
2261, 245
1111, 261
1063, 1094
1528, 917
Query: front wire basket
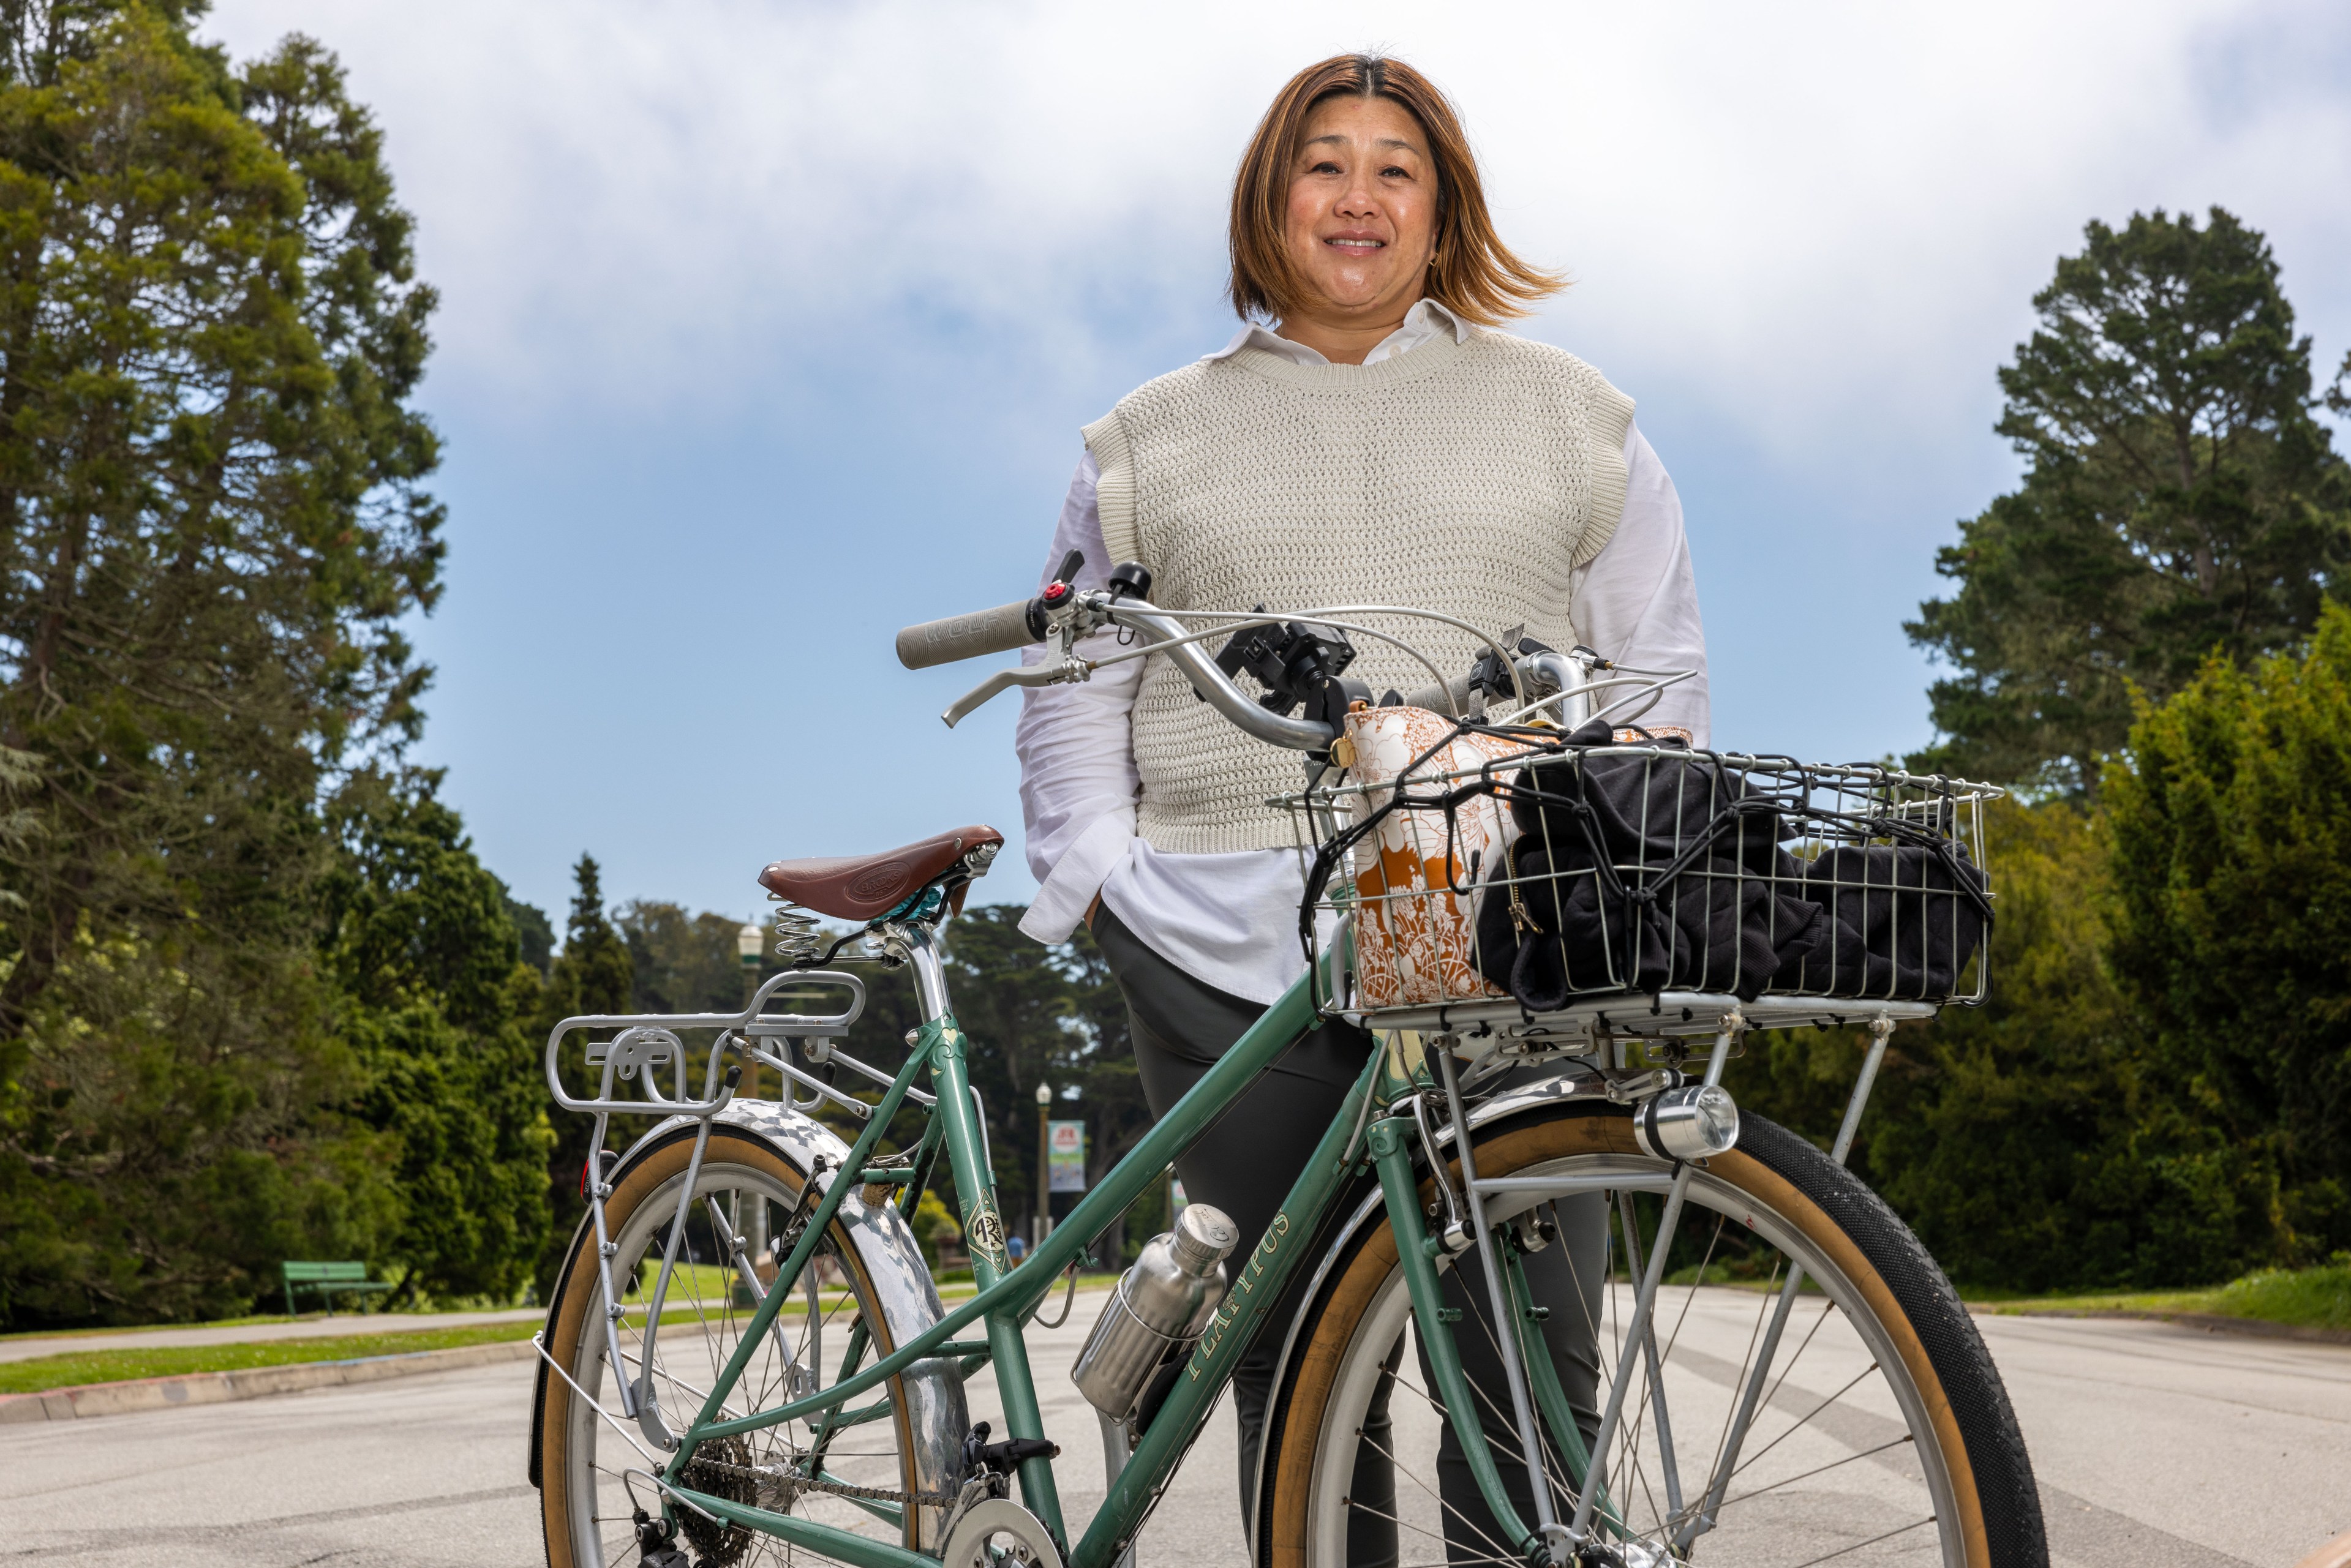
1511, 875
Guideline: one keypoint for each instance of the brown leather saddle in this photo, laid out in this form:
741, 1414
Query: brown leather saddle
864, 887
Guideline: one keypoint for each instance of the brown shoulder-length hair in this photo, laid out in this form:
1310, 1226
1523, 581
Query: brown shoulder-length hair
1474, 274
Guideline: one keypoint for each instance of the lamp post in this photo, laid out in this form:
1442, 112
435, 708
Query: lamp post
749, 942
1044, 1164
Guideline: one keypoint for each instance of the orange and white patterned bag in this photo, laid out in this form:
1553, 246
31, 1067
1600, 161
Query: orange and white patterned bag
1414, 938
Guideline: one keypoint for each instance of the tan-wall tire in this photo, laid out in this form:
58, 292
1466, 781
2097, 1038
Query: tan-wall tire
578, 1305
1993, 1496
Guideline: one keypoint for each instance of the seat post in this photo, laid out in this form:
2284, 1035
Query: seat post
930, 974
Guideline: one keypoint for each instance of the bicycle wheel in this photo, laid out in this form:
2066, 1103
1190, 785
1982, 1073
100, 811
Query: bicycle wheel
856, 1473
1882, 1433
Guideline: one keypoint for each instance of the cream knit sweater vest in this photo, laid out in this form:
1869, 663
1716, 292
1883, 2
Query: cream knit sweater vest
1468, 477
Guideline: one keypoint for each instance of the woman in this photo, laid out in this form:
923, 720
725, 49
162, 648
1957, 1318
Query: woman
1362, 439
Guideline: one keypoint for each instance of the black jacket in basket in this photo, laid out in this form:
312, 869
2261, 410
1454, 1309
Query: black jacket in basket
1636, 872
1639, 872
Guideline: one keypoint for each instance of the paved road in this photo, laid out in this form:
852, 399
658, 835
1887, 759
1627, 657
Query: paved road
2159, 1448
335, 1327
2157, 1445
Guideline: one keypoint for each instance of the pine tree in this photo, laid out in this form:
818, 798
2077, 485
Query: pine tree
591, 974
438, 1006
2181, 498
211, 525
2231, 829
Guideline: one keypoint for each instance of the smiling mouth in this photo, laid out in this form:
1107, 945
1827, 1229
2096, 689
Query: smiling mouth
1358, 245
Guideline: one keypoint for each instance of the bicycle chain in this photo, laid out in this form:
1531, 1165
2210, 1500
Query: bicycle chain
833, 1488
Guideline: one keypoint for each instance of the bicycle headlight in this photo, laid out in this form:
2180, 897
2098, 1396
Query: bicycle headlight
1688, 1123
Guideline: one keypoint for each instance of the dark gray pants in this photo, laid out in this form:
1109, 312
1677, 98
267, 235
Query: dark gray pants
1245, 1165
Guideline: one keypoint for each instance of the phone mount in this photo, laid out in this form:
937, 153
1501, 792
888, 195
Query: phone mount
1300, 664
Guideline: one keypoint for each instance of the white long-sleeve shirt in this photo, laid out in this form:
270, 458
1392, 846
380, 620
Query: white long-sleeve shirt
1232, 920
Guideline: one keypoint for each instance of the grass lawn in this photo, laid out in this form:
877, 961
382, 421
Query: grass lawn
115, 1366
354, 1316
78, 1367
2304, 1298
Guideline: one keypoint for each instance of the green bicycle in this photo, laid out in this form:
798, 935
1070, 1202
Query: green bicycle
744, 1357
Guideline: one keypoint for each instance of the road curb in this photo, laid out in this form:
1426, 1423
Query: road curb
245, 1383
2210, 1322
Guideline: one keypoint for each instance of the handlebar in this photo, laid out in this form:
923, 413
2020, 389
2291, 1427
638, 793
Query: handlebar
1450, 697
1069, 612
1199, 668
997, 631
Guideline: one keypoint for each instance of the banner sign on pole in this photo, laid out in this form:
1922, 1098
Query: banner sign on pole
1065, 1157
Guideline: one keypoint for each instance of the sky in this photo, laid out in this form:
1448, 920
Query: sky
766, 329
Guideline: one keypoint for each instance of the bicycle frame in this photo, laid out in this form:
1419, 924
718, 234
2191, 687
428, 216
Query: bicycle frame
1006, 1295
1363, 1139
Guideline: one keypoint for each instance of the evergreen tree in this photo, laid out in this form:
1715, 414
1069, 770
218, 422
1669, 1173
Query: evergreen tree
591, 974
438, 1007
681, 963
2041, 1141
532, 929
2232, 825
213, 523
2179, 498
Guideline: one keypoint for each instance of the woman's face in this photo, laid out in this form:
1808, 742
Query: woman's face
1363, 206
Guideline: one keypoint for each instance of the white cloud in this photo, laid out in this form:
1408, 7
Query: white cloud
1799, 213
765, 322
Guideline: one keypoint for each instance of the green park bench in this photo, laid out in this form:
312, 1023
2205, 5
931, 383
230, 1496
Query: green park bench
327, 1279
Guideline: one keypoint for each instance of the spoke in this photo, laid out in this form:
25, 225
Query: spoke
694, 1300
662, 1371
1826, 1309
1808, 1415
1435, 1405
1407, 1524
1832, 1464
1652, 1391
1576, 1280
1467, 1522
1608, 1293
1553, 1477
1746, 1360
1629, 1448
1711, 1242
1871, 1542
1641, 1480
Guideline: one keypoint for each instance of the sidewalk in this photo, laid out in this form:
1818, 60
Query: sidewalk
338, 1326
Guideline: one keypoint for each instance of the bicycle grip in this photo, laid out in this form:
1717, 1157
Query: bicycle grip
1442, 699
996, 631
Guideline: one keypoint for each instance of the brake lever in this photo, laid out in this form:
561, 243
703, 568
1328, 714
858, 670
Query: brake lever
1003, 680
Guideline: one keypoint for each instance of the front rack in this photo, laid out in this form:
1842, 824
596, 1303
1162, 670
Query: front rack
1555, 889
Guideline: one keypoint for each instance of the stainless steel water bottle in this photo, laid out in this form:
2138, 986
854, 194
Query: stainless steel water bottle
1161, 1305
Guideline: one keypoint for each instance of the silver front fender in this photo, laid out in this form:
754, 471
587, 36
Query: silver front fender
935, 1419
